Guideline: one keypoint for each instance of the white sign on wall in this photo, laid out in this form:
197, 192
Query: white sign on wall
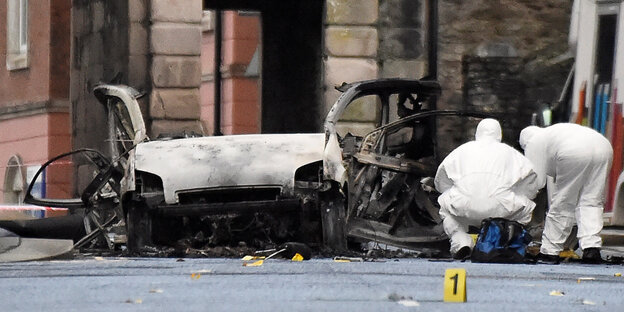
39, 189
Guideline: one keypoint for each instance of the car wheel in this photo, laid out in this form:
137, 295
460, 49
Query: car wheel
139, 227
333, 218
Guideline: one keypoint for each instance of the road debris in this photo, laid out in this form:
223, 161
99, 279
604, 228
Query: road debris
135, 301
348, 259
288, 251
409, 303
406, 301
253, 264
396, 297
261, 262
569, 254
291, 250
585, 279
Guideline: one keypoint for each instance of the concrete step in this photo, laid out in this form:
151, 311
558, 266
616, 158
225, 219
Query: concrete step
612, 236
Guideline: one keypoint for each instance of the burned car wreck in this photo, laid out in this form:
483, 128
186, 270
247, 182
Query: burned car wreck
359, 181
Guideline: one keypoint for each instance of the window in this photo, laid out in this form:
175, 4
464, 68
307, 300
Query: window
14, 185
17, 34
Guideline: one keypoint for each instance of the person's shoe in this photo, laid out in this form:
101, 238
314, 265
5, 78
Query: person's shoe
462, 253
548, 259
591, 256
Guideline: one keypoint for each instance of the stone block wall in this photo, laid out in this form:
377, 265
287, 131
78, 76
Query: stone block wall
174, 37
402, 38
369, 39
138, 50
532, 35
351, 44
477, 40
363, 39
99, 54
493, 85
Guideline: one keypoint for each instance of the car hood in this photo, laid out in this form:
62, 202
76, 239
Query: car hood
228, 161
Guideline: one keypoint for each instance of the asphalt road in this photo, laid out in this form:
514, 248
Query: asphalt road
137, 284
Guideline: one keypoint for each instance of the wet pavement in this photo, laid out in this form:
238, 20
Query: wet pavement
320, 284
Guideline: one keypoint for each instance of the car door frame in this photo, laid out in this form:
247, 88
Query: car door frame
107, 166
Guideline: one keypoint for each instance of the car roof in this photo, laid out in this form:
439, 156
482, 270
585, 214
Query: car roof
393, 85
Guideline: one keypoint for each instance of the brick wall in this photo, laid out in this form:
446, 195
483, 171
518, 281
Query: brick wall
35, 139
34, 101
240, 104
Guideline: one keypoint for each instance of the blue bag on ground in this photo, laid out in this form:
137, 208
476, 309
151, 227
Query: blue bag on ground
501, 241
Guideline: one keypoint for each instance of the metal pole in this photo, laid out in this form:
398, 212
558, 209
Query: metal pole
218, 34
433, 40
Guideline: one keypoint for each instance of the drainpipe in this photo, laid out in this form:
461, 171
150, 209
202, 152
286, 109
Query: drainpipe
432, 55
218, 34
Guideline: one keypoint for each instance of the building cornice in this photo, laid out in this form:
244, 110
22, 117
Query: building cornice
34, 108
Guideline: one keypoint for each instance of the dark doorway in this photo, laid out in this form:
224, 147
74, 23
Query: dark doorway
605, 47
605, 50
291, 67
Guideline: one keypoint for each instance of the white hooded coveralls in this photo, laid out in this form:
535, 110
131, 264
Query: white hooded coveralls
578, 158
483, 179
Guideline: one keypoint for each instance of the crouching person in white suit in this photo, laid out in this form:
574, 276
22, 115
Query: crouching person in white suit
483, 179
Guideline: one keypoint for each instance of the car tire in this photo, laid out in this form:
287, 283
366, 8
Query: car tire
139, 227
333, 219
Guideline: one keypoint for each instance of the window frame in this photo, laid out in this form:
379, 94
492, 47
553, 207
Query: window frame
14, 181
17, 34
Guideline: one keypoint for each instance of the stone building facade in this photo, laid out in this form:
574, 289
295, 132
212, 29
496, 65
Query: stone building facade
160, 52
153, 46
372, 39
505, 56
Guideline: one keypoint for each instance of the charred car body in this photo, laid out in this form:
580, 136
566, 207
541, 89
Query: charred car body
361, 181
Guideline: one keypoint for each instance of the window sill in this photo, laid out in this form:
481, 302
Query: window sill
17, 61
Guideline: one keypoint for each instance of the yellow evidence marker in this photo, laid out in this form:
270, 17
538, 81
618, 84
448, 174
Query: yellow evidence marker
455, 285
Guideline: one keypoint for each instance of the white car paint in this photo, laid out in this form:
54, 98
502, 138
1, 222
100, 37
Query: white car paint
228, 161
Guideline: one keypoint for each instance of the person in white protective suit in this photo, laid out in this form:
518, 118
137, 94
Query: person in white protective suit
578, 158
483, 179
